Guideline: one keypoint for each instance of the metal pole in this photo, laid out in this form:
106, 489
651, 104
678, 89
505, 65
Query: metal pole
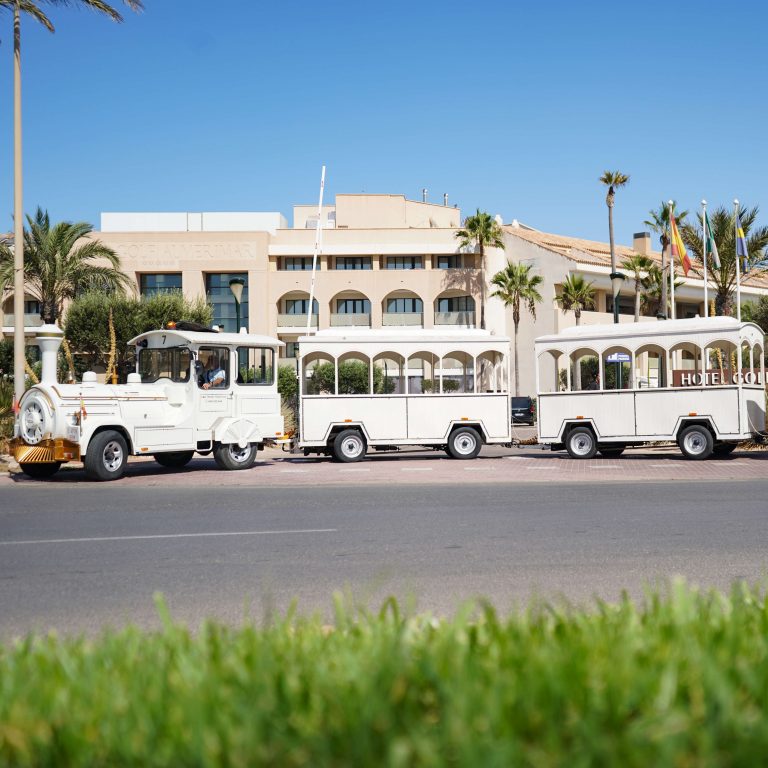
671, 261
704, 251
736, 254
18, 218
318, 237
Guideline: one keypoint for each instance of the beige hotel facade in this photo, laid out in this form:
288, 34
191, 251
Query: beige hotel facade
385, 262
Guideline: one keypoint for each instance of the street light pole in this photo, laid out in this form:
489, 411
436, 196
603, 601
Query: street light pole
236, 285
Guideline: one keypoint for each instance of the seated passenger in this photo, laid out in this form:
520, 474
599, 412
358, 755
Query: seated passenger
213, 375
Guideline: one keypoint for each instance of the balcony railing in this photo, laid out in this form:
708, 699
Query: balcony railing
455, 318
32, 319
353, 318
295, 321
403, 318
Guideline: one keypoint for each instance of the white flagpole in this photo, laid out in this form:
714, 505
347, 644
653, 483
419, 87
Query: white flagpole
318, 238
704, 241
671, 260
738, 265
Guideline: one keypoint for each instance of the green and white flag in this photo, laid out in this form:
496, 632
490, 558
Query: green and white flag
709, 243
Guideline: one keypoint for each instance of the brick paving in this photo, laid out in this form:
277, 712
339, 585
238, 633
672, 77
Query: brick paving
408, 467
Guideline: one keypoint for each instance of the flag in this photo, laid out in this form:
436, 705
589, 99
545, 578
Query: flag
678, 248
710, 247
741, 245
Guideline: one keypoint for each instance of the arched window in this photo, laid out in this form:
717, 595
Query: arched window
650, 367
585, 370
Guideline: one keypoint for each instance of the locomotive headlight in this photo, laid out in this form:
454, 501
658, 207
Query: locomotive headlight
35, 419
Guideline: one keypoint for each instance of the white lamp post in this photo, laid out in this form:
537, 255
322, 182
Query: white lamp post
236, 285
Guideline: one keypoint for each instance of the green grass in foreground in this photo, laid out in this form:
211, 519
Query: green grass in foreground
681, 681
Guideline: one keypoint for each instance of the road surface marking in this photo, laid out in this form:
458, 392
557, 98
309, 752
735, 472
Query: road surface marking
479, 469
415, 469
166, 536
354, 469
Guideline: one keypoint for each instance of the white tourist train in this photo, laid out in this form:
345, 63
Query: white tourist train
372, 388
192, 391
699, 382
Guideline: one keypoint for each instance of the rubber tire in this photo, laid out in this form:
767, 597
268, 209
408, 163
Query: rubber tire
222, 455
464, 443
724, 449
174, 459
93, 460
41, 471
704, 434
610, 453
352, 437
580, 434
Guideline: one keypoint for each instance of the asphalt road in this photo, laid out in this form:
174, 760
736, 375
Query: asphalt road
77, 557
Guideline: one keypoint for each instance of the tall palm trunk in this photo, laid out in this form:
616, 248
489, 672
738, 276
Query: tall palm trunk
18, 214
516, 321
609, 203
637, 298
482, 286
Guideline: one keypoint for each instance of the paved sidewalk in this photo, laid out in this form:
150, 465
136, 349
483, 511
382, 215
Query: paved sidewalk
494, 465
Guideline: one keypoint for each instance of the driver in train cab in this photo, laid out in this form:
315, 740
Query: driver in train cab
213, 374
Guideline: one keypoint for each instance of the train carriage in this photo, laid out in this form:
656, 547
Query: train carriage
698, 382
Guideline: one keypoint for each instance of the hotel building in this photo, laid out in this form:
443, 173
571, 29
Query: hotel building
385, 262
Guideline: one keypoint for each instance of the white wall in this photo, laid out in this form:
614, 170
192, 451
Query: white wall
193, 222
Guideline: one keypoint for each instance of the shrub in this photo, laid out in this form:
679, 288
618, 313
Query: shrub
682, 680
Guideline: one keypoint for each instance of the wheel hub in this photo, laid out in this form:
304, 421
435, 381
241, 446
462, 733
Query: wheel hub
112, 456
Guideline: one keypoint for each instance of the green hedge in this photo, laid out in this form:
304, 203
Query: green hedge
682, 681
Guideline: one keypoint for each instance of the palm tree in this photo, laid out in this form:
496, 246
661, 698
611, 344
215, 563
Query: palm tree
577, 295
514, 284
659, 223
31, 8
56, 268
613, 180
636, 264
654, 284
724, 278
482, 231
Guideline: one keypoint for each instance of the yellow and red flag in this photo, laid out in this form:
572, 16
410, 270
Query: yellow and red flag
678, 247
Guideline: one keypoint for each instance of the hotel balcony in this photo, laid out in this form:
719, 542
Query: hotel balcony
403, 318
465, 319
359, 319
295, 321
30, 320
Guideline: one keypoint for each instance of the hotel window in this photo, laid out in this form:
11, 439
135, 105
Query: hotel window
403, 262
291, 349
686, 311
456, 304
353, 262
405, 306
219, 295
299, 306
626, 304
298, 263
353, 307
31, 307
452, 261
151, 285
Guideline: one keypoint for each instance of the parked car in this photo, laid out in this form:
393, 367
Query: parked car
522, 410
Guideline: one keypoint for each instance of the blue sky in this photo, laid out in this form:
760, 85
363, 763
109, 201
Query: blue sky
514, 108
